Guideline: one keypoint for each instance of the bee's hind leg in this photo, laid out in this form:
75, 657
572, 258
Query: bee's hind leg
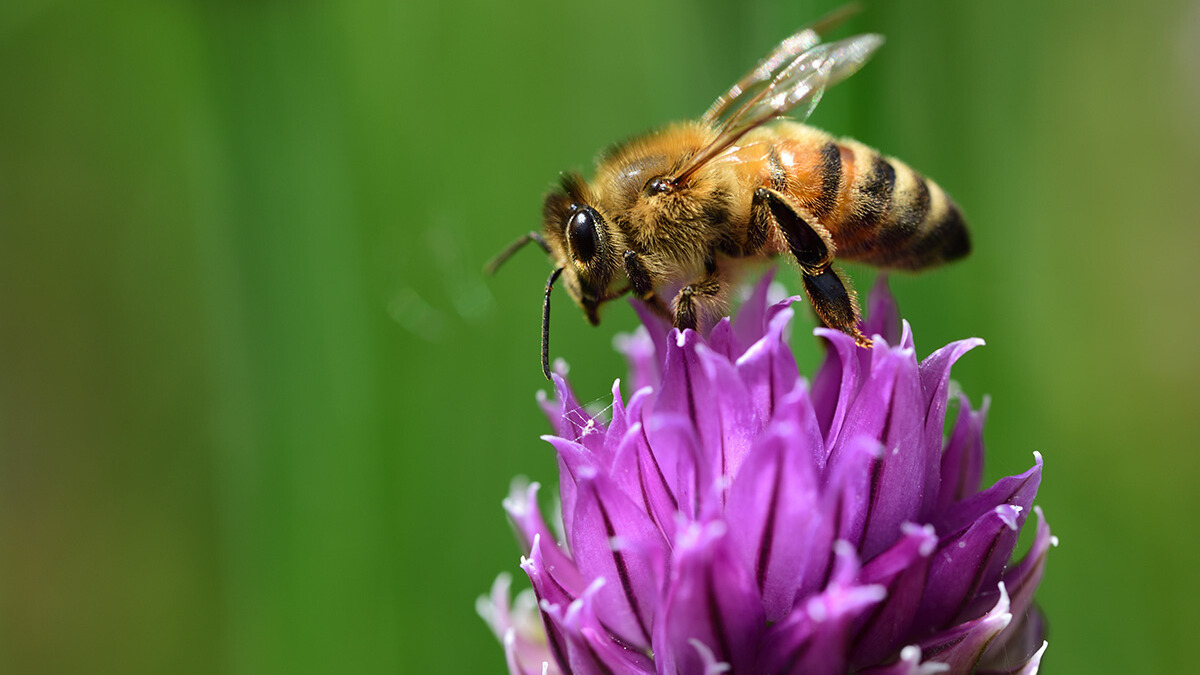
691, 297
836, 304
833, 299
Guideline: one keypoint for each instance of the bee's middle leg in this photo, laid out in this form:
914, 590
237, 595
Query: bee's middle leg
643, 284
833, 299
691, 297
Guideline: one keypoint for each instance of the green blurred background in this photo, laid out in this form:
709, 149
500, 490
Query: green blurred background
258, 406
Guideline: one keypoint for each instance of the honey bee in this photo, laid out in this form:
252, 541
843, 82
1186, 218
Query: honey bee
677, 212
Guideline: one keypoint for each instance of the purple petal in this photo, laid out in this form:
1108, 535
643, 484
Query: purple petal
889, 409
935, 385
702, 387
736, 425
519, 664
909, 663
494, 607
1018, 649
641, 353
813, 639
836, 383
570, 420
551, 600
646, 479
518, 627
845, 495
722, 340
1019, 490
711, 665
796, 408
782, 305
1029, 667
774, 503
1023, 578
962, 646
572, 458
618, 422
657, 329
1013, 491
961, 564
768, 370
613, 539
675, 457
625, 469
571, 649
681, 379
751, 321
1017, 644
883, 315
902, 570
523, 510
711, 598
962, 461
565, 413
581, 619
576, 656
870, 408
575, 457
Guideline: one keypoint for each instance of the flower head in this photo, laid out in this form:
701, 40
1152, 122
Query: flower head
731, 516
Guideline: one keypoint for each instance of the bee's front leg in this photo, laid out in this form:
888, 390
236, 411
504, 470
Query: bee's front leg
687, 313
833, 299
643, 284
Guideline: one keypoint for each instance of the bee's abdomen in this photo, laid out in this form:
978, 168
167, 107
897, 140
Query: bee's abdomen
891, 216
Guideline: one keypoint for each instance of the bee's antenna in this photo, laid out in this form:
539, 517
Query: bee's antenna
512, 248
546, 322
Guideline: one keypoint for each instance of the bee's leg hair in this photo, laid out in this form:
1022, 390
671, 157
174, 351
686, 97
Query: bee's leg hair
835, 303
834, 300
643, 283
687, 312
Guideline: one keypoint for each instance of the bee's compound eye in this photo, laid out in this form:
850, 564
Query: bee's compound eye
582, 233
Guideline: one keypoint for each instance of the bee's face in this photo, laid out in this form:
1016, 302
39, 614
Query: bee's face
585, 245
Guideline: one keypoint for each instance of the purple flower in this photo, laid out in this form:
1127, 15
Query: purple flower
731, 516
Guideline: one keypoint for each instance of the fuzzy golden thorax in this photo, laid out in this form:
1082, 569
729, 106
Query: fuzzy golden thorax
673, 226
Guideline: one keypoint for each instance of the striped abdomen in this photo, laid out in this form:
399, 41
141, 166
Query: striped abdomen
878, 209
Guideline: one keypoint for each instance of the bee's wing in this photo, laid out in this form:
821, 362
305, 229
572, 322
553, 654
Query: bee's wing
784, 53
765, 71
803, 81
797, 87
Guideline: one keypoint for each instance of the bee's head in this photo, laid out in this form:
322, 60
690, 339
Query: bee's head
586, 245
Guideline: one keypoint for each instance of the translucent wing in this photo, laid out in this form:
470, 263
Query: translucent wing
784, 53
797, 86
765, 71
802, 82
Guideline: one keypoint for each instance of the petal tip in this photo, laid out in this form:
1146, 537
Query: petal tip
1009, 514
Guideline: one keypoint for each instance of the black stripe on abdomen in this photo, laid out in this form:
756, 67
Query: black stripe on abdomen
831, 180
941, 241
871, 197
909, 209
